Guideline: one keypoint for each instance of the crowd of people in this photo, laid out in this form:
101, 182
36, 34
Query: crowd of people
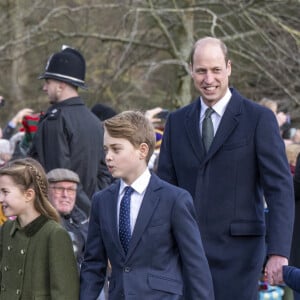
157, 205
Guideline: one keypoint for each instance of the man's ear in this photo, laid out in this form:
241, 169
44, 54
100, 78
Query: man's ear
29, 195
60, 86
144, 149
229, 67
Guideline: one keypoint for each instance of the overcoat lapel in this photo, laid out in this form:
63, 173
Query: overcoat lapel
192, 120
227, 125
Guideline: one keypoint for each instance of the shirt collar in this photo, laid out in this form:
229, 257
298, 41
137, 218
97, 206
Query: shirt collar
140, 184
219, 107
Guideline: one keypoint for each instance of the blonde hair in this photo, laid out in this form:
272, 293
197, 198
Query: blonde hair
292, 151
269, 103
134, 127
28, 173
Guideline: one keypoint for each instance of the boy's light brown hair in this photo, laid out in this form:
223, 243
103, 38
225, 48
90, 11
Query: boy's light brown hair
134, 127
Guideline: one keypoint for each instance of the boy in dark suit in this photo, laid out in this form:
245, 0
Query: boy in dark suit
144, 226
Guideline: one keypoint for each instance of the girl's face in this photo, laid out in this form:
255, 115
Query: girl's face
12, 198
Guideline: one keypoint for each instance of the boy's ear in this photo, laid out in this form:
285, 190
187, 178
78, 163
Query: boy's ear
29, 195
144, 149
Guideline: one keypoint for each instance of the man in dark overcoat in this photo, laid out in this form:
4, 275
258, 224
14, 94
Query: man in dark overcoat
228, 153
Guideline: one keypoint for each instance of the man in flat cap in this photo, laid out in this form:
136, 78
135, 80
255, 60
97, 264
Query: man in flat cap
69, 135
63, 185
62, 194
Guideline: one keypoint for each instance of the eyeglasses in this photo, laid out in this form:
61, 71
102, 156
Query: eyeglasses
59, 190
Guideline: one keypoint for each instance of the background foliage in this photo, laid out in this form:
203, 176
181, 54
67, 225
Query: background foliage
137, 51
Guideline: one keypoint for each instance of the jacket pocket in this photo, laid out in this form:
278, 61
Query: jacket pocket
236, 144
165, 284
247, 228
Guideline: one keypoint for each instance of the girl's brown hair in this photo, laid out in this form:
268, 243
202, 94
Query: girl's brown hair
28, 173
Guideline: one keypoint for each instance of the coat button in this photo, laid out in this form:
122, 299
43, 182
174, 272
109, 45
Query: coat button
20, 272
9, 248
127, 269
5, 268
22, 251
18, 292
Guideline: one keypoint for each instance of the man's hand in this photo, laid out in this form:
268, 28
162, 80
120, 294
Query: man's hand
17, 119
273, 269
151, 113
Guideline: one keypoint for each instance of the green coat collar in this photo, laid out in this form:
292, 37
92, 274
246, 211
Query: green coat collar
31, 228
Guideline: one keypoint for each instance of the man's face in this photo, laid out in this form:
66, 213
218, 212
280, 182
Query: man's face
210, 72
62, 195
52, 88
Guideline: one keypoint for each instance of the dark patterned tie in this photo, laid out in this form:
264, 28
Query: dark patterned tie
207, 129
124, 219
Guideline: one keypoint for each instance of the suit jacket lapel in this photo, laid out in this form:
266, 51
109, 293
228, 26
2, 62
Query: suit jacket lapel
147, 209
113, 218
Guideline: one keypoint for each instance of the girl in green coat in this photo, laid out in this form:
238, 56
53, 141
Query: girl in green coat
36, 254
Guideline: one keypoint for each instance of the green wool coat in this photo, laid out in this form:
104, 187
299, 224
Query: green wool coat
37, 262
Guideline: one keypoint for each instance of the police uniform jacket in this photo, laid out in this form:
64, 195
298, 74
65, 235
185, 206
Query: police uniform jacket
37, 262
70, 136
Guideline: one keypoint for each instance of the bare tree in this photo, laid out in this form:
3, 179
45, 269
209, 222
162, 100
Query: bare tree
138, 51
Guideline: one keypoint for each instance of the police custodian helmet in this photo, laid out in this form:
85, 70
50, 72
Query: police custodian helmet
68, 66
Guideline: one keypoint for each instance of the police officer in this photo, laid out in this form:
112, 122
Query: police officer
69, 135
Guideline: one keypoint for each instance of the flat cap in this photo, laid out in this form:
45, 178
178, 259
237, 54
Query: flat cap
61, 174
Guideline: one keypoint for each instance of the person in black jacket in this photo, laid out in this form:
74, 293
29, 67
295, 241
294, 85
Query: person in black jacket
10, 128
69, 135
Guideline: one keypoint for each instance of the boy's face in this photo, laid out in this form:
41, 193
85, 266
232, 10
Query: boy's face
123, 159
